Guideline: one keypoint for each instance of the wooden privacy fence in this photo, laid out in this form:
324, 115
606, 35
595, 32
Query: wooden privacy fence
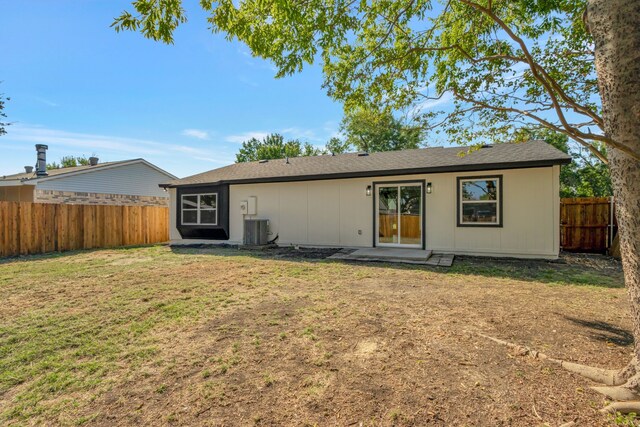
33, 228
587, 224
409, 224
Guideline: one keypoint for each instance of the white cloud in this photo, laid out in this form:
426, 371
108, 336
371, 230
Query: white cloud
113, 144
46, 102
446, 98
331, 129
320, 135
242, 137
256, 62
248, 81
244, 52
223, 161
196, 133
298, 133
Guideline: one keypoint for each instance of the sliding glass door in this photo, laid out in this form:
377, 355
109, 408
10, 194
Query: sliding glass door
399, 215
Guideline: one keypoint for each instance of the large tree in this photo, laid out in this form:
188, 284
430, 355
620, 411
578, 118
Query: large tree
372, 131
586, 176
69, 162
336, 145
274, 146
572, 66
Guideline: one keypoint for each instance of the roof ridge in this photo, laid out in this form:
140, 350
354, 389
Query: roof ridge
388, 163
63, 170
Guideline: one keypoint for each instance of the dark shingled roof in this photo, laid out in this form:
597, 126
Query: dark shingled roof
405, 162
23, 177
60, 171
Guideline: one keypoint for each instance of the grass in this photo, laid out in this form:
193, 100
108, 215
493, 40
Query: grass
80, 327
538, 271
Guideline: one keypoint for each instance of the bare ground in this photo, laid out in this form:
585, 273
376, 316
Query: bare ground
151, 336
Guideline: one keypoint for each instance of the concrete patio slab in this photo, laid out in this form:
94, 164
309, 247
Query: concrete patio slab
441, 260
399, 255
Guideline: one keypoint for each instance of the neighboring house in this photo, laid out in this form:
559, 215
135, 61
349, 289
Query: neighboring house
501, 200
126, 182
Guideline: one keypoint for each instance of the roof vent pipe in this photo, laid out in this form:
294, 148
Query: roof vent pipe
28, 169
93, 161
41, 166
287, 160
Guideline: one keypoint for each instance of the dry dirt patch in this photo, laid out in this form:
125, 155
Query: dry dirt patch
224, 337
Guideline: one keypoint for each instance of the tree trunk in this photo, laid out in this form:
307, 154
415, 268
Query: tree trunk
615, 26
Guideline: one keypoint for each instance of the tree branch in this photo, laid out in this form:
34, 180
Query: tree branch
549, 84
543, 77
539, 119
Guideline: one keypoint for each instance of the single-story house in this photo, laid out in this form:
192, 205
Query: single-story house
125, 182
500, 200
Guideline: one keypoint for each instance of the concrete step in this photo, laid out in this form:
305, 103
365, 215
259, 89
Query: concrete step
398, 255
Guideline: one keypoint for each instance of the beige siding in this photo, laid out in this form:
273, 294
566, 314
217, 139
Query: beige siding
338, 213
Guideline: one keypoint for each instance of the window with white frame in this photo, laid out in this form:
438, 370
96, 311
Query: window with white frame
480, 201
200, 209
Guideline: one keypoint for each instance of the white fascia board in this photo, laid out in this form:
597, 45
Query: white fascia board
15, 183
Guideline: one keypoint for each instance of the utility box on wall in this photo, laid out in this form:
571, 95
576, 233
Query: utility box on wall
252, 205
249, 206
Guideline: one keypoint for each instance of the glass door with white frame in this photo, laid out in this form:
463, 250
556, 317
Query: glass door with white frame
399, 215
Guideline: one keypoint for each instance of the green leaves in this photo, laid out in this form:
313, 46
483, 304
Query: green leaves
274, 147
505, 64
68, 162
156, 19
3, 115
586, 176
373, 131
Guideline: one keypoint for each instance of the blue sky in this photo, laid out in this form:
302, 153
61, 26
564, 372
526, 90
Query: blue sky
78, 86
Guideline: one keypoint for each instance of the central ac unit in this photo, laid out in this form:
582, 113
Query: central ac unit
255, 232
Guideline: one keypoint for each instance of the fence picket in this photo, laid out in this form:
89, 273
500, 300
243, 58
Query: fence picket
29, 228
586, 224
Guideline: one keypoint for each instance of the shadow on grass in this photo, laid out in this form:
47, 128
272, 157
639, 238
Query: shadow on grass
64, 254
604, 331
552, 272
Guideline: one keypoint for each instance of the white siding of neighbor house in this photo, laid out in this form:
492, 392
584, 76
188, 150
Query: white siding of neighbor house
339, 213
136, 179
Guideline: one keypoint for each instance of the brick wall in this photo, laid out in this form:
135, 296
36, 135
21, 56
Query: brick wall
69, 197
